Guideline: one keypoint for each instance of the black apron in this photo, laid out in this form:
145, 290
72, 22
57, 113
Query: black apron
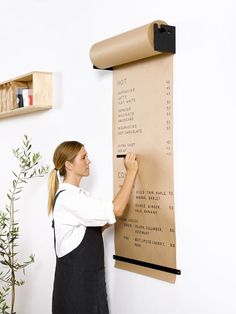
79, 283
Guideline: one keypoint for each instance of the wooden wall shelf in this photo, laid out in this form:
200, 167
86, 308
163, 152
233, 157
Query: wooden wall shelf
41, 85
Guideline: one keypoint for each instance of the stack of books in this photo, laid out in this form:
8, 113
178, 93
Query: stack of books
15, 95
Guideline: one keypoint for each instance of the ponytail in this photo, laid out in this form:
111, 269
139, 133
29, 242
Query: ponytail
52, 189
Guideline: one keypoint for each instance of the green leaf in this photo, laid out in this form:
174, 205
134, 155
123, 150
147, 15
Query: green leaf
15, 174
18, 191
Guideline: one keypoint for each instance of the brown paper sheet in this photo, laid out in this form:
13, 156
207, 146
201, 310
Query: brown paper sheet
142, 123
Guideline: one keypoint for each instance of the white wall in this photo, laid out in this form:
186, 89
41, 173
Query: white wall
56, 36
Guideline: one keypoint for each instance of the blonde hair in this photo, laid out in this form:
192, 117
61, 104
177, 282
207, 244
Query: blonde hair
65, 151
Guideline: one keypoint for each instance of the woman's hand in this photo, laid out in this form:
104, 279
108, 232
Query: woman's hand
122, 197
131, 163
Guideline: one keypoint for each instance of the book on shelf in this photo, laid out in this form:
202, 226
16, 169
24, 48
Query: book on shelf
24, 97
15, 95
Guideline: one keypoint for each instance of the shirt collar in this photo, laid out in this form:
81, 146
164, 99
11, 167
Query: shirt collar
71, 187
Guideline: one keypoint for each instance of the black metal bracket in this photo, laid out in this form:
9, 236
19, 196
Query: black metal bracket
96, 68
149, 265
164, 38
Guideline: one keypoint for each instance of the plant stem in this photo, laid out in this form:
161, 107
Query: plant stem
11, 247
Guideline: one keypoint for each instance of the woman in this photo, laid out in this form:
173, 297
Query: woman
79, 284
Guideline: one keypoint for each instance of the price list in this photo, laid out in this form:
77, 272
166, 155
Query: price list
143, 123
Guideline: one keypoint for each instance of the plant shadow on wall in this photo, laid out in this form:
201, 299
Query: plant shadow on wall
28, 168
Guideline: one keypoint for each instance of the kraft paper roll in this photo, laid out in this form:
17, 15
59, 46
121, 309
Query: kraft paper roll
127, 47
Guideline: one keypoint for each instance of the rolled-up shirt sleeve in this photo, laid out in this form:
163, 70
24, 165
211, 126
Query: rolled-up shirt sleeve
87, 210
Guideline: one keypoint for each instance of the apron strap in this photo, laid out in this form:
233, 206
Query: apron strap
53, 222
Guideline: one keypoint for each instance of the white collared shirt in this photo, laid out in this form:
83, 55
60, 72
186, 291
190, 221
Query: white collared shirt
74, 211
